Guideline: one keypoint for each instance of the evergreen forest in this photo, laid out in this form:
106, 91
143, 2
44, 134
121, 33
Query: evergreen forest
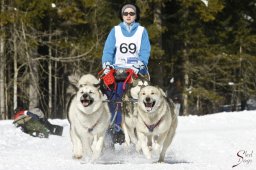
203, 52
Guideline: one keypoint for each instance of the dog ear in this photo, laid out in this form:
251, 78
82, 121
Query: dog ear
73, 79
145, 77
72, 82
162, 92
135, 82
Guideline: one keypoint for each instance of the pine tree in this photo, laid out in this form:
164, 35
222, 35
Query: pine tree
63, 36
193, 52
238, 40
151, 18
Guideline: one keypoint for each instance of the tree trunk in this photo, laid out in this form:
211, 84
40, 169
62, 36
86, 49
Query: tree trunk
34, 80
49, 113
2, 67
186, 80
185, 71
185, 96
2, 78
34, 85
55, 88
158, 68
15, 68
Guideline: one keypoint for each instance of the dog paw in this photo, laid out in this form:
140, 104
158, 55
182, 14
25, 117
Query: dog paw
95, 155
148, 156
157, 148
128, 145
146, 152
161, 160
77, 157
150, 148
138, 148
86, 160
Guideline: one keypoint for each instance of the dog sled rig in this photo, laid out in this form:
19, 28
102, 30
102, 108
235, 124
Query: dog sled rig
125, 104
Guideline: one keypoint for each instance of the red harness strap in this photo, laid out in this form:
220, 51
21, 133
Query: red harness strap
109, 78
129, 77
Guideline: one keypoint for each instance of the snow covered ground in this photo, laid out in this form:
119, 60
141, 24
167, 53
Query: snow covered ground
212, 142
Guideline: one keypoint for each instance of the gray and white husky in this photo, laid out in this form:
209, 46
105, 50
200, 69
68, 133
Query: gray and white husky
157, 122
129, 106
89, 119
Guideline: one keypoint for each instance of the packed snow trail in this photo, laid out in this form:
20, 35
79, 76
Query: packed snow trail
212, 142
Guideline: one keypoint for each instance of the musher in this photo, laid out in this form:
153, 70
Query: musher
127, 47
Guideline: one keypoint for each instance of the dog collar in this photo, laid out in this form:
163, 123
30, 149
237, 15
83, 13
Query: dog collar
153, 126
91, 129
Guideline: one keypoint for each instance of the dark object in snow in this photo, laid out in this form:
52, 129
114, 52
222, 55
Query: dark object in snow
31, 126
35, 124
251, 103
117, 135
54, 129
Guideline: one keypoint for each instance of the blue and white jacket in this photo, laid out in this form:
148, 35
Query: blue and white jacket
128, 31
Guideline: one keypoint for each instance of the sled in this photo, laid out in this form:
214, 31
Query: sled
108, 84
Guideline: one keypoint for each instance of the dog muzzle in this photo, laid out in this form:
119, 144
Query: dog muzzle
149, 104
86, 100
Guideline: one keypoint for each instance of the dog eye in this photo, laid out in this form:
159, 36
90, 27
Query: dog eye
143, 93
152, 93
90, 92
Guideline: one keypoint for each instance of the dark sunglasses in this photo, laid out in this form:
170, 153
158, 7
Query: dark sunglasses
128, 13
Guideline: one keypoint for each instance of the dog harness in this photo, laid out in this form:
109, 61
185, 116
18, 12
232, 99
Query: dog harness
153, 126
91, 129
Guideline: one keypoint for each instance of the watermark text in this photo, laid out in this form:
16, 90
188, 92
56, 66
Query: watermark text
244, 157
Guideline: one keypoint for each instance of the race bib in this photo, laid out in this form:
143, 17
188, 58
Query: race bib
127, 48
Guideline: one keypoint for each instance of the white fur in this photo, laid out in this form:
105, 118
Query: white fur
87, 79
95, 116
161, 136
130, 118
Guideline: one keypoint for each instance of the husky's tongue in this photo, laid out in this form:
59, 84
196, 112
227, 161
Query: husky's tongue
86, 100
148, 106
85, 103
